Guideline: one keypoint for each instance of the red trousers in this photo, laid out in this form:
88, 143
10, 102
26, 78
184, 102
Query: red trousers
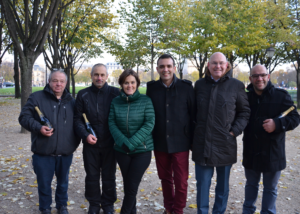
173, 169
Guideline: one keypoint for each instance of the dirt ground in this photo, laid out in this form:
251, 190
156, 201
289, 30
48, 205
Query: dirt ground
18, 188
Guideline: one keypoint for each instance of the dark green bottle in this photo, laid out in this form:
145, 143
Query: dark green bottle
44, 120
88, 125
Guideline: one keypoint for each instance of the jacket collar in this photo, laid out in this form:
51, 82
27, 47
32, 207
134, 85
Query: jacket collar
66, 96
97, 90
173, 83
130, 98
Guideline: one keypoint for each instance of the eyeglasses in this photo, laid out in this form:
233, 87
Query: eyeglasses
216, 63
256, 76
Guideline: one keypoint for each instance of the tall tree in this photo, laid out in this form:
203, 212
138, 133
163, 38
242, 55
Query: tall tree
143, 19
292, 45
75, 35
29, 38
5, 40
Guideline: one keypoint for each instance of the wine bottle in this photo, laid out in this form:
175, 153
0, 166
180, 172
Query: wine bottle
88, 125
44, 120
283, 114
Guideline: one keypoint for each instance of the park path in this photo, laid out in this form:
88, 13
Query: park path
18, 188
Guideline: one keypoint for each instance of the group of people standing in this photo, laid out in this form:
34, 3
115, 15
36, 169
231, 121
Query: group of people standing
171, 119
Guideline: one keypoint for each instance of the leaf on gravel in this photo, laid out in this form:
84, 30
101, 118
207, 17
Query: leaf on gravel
142, 190
149, 172
28, 193
37, 204
35, 182
118, 210
20, 148
117, 201
3, 193
33, 185
194, 206
159, 189
82, 206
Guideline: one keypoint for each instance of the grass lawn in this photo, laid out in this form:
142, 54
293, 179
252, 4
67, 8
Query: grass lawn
11, 91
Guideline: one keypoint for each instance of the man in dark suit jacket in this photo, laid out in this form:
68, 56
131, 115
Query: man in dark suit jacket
174, 104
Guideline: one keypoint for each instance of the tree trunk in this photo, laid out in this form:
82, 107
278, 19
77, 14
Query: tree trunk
16, 74
26, 65
67, 71
152, 60
73, 82
298, 86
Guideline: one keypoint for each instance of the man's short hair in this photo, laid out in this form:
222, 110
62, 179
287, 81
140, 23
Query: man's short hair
166, 56
98, 65
59, 70
258, 65
127, 73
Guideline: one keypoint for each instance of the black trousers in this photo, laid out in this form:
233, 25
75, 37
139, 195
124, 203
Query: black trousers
132, 168
100, 161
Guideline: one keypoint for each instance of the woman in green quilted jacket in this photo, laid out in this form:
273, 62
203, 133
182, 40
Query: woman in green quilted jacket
131, 121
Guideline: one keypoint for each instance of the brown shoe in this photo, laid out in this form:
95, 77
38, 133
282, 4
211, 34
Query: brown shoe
167, 212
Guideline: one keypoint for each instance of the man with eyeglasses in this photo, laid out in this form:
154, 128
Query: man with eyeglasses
264, 139
222, 114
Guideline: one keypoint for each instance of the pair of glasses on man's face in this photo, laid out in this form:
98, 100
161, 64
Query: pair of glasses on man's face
258, 75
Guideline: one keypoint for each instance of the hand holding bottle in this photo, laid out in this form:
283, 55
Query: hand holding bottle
91, 139
46, 131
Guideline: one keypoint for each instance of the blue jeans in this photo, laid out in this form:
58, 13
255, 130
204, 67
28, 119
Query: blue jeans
203, 177
44, 168
270, 181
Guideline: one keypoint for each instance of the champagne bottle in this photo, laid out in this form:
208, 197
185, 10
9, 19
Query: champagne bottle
44, 120
88, 125
283, 114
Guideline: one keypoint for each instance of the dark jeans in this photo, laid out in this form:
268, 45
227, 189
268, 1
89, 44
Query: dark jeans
45, 167
203, 177
270, 181
100, 161
132, 168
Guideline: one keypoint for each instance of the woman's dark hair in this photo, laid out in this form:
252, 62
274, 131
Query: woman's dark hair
127, 73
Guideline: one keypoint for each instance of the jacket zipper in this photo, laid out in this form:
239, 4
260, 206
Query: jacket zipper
127, 117
145, 145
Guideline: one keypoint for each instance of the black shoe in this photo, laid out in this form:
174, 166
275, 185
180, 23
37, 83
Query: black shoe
46, 212
62, 210
94, 210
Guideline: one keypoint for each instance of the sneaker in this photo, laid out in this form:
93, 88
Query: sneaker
62, 210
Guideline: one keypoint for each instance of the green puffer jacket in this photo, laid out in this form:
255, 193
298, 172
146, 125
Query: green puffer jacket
131, 121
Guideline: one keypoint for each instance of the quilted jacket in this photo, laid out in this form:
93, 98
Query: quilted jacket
131, 121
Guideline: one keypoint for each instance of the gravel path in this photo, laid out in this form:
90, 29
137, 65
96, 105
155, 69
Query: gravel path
18, 191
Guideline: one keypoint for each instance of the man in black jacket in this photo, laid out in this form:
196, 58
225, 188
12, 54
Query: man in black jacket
173, 100
53, 148
222, 114
264, 139
98, 152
